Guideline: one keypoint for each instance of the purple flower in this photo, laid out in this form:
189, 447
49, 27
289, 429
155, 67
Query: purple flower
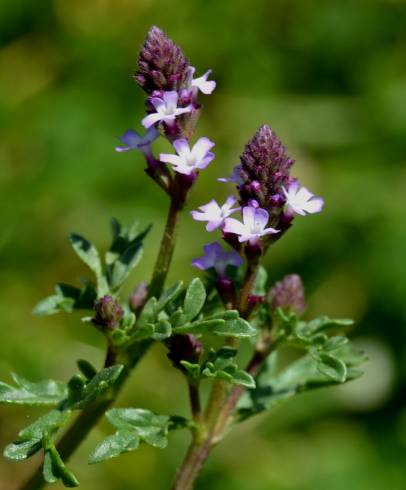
253, 226
189, 159
235, 176
166, 109
161, 64
300, 200
195, 84
289, 294
215, 214
134, 141
217, 258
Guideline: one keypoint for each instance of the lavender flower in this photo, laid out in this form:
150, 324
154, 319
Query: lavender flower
288, 294
134, 141
217, 258
188, 160
265, 169
166, 109
215, 214
235, 176
300, 200
253, 226
161, 64
201, 83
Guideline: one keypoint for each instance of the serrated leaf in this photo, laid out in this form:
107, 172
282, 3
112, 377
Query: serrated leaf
19, 451
325, 323
103, 380
334, 343
237, 327
243, 378
122, 441
194, 299
54, 304
124, 264
47, 392
66, 299
87, 252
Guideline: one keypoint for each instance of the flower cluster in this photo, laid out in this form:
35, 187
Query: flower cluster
268, 195
173, 107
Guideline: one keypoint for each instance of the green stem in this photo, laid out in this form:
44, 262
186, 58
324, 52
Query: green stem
165, 251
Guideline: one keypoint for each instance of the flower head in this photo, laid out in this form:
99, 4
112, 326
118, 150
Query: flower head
265, 169
288, 293
235, 176
215, 214
217, 258
134, 141
188, 160
253, 226
161, 63
300, 200
166, 109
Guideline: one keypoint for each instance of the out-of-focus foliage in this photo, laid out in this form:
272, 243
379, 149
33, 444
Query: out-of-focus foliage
330, 78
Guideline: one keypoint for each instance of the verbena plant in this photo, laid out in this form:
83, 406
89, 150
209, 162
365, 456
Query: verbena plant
232, 301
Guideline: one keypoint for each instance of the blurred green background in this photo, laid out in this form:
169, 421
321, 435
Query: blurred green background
330, 78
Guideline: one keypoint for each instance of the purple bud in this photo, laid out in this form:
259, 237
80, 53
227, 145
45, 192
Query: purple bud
184, 348
288, 294
108, 313
161, 64
138, 297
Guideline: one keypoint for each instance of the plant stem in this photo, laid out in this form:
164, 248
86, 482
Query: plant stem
165, 251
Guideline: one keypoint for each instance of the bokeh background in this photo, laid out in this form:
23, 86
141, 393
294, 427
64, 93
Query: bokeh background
330, 78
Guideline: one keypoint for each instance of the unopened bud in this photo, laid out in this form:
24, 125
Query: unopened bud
288, 294
108, 313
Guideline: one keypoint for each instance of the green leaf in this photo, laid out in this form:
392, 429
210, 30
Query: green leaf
121, 268
19, 451
86, 368
87, 252
54, 469
49, 423
122, 441
66, 299
194, 299
222, 365
324, 323
169, 295
103, 380
148, 313
332, 367
162, 330
47, 392
335, 342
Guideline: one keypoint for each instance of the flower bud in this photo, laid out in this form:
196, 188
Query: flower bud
108, 313
184, 348
138, 297
288, 294
161, 64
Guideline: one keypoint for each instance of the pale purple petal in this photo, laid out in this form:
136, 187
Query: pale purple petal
171, 98
232, 225
170, 158
202, 147
157, 102
181, 146
151, 119
315, 205
230, 201
131, 138
206, 161
270, 231
303, 194
261, 217
182, 110
205, 86
248, 216
214, 224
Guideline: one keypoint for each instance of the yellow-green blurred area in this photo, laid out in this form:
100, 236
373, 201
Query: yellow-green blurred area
330, 78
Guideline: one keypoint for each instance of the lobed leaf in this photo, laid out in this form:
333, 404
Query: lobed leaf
47, 392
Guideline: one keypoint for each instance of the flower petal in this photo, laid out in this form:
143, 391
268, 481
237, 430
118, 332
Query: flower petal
171, 99
315, 205
158, 103
170, 158
232, 225
181, 146
151, 119
201, 148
